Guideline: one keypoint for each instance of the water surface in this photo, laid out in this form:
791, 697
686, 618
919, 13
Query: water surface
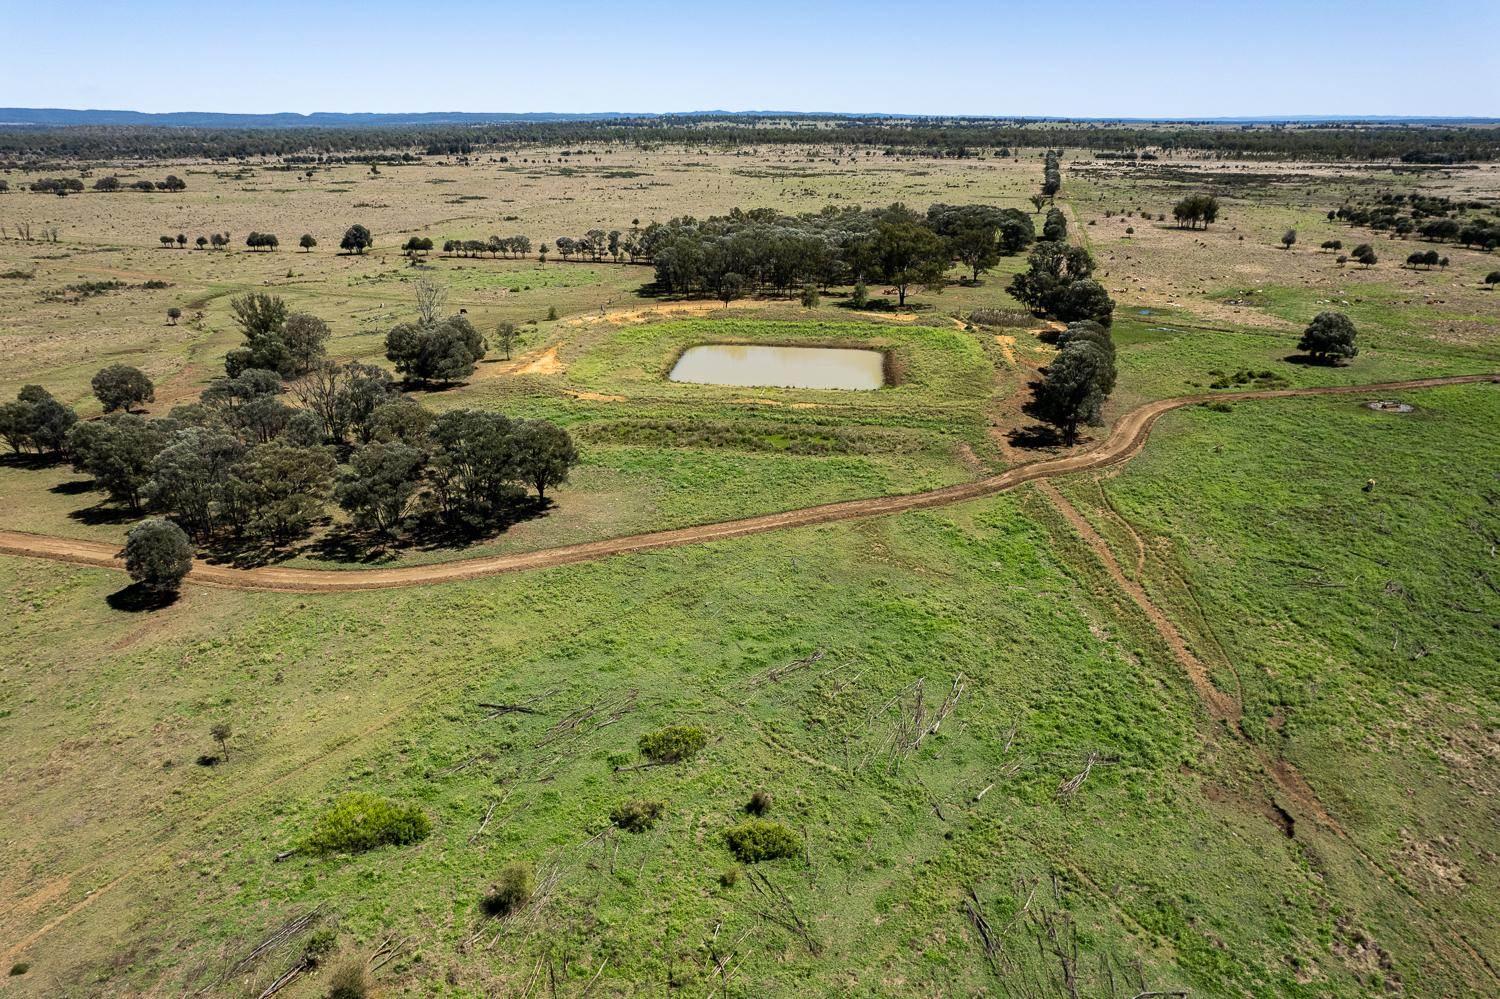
781, 367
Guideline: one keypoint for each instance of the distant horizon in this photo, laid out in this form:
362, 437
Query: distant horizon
42, 114
1078, 59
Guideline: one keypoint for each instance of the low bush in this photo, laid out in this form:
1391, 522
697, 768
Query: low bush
349, 980
673, 744
759, 803
757, 840
637, 816
361, 821
511, 891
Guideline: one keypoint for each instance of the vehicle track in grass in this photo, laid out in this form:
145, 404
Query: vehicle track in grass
1124, 441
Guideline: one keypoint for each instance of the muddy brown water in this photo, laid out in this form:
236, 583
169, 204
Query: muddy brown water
751, 366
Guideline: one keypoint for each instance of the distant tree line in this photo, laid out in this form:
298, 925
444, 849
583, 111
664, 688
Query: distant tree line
106, 185
495, 246
1411, 143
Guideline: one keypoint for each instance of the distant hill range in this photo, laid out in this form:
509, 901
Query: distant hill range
62, 117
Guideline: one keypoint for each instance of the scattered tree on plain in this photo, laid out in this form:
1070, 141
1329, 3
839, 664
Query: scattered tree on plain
121, 386
157, 556
1329, 338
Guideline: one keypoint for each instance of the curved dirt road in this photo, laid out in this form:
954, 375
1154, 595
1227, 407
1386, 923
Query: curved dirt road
1124, 442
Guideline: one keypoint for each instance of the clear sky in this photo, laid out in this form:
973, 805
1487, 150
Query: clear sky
1068, 57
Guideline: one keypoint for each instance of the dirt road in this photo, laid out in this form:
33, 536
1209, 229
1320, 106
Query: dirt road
1124, 442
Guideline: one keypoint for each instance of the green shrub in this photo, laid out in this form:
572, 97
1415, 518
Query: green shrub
361, 821
730, 877
756, 840
637, 816
759, 803
20, 968
673, 744
512, 890
349, 981
319, 945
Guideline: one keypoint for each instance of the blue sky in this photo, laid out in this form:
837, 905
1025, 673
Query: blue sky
1162, 58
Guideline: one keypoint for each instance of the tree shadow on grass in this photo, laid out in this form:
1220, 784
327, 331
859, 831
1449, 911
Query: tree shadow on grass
1309, 361
1035, 437
75, 487
104, 514
30, 462
136, 598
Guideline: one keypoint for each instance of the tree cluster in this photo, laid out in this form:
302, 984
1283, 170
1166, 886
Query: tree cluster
1432, 217
262, 241
739, 253
242, 466
1195, 209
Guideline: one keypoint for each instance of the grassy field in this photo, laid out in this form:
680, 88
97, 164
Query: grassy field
1082, 813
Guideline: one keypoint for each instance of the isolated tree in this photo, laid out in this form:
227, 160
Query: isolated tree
174, 314
307, 242
356, 239
157, 555
731, 286
1288, 238
441, 352
220, 731
120, 386
182, 241
1333, 244
1366, 256
505, 337
544, 454
431, 300
809, 297
107, 184
1038, 200
541, 253
1329, 338
201, 241
1492, 279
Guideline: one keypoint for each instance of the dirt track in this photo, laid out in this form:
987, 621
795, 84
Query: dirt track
1124, 442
